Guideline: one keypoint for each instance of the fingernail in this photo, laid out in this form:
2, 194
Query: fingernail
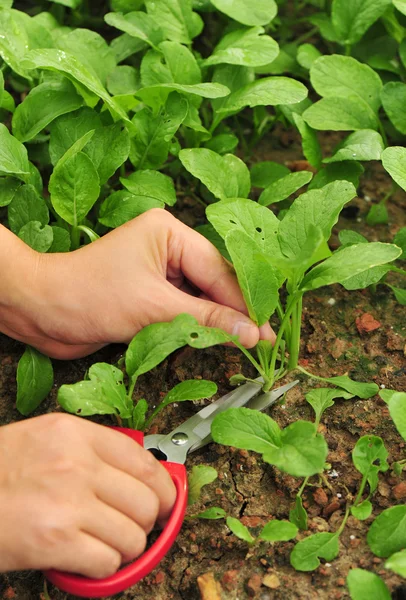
246, 332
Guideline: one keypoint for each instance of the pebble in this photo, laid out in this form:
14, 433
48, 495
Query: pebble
159, 577
331, 301
229, 580
331, 508
209, 588
399, 491
271, 581
254, 585
320, 497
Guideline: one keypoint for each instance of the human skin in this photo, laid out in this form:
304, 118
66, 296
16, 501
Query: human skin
74, 495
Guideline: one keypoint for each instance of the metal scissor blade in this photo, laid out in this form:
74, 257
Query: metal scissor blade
192, 432
267, 399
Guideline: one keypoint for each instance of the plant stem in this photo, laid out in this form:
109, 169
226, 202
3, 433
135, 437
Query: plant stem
306, 36
347, 49
289, 309
397, 270
383, 133
302, 370
294, 346
361, 490
302, 487
253, 361
154, 414
75, 237
131, 388
344, 521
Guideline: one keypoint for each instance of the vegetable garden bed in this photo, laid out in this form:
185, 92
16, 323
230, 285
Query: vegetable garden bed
358, 332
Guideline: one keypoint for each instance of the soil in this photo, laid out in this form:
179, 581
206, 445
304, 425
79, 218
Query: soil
205, 552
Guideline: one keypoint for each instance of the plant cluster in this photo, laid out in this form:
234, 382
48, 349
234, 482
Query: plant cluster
109, 111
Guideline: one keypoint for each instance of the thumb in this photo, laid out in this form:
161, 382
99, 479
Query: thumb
211, 314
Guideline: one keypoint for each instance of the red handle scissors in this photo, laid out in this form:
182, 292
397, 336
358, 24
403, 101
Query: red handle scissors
192, 435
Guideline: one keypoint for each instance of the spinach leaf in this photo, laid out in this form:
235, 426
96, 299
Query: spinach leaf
103, 393
394, 161
340, 114
298, 515
225, 176
122, 206
370, 457
387, 533
35, 378
139, 414
244, 47
137, 24
200, 476
352, 20
8, 189
364, 585
393, 99
212, 513
179, 22
306, 554
323, 398
39, 237
239, 530
278, 531
284, 187
263, 174
43, 104
397, 563
257, 12
25, 207
364, 144
397, 407
13, 155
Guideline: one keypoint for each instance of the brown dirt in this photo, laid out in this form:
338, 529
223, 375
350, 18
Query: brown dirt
246, 487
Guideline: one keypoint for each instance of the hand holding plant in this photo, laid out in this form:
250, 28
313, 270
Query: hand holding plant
134, 276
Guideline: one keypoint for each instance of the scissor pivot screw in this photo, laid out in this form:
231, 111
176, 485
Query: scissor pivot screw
179, 439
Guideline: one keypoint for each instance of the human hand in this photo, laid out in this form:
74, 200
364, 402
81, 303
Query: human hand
76, 496
136, 275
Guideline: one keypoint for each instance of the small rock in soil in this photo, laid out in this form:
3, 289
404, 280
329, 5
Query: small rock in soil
338, 348
399, 491
229, 580
271, 581
9, 593
320, 497
209, 587
159, 577
254, 585
331, 508
366, 323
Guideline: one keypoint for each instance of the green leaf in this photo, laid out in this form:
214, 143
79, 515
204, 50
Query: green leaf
348, 262
306, 554
150, 147
8, 189
43, 104
123, 80
267, 91
370, 457
39, 237
66, 63
139, 414
13, 155
25, 207
122, 206
307, 54
200, 476
278, 531
225, 176
340, 114
359, 389
234, 78
400, 240
35, 378
317, 208
400, 5
103, 393
155, 96
239, 530
298, 515
244, 47
377, 215
284, 187
397, 409
302, 452
137, 24
74, 185
387, 533
263, 174
364, 585
212, 513
126, 5
108, 150
393, 99
246, 429
362, 511
257, 12
178, 21
365, 144
244, 215
394, 161
194, 389
61, 240
310, 143
152, 185
352, 20
68, 129
224, 143
322, 398
363, 280
156, 342
125, 46
340, 171
91, 49
255, 276
397, 563
339, 76
350, 237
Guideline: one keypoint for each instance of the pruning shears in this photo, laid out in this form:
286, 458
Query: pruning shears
173, 448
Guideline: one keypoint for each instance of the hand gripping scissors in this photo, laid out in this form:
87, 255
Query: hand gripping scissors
192, 435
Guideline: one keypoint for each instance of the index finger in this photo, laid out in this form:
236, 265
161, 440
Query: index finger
122, 453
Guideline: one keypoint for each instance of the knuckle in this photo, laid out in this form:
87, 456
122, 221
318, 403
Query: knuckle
149, 466
213, 315
61, 425
56, 529
106, 565
138, 544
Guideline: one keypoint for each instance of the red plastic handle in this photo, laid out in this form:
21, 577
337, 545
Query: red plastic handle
131, 574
